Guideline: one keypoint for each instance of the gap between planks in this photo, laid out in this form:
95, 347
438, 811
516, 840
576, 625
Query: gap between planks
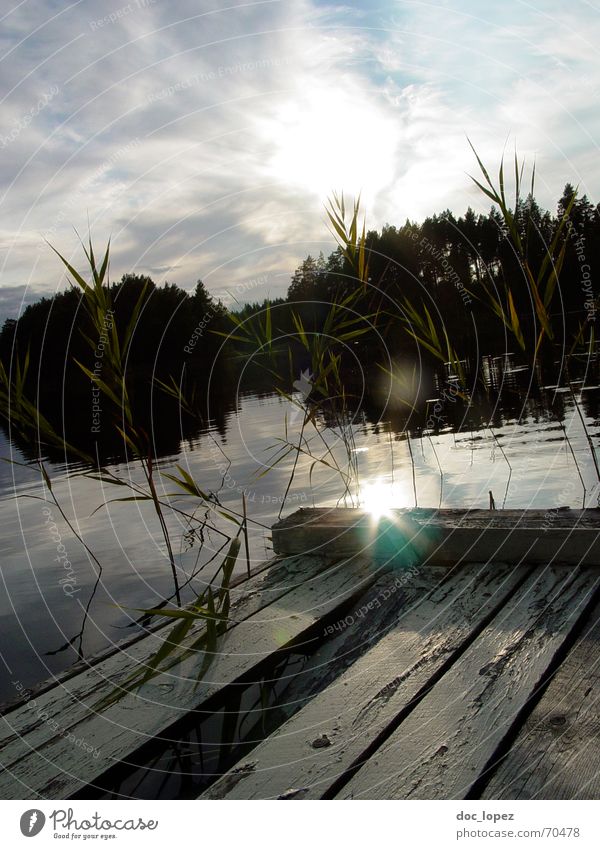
446, 743
43, 765
428, 631
556, 753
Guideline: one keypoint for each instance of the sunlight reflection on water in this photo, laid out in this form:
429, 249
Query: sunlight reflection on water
380, 496
534, 462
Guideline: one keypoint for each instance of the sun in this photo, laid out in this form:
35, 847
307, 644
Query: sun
377, 499
324, 139
381, 496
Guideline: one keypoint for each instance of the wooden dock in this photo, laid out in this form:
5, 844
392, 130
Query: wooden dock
445, 655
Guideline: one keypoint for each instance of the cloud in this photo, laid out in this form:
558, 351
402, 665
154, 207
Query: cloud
203, 142
14, 299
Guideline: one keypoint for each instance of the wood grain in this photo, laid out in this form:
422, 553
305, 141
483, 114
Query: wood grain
556, 755
566, 537
40, 763
444, 745
360, 704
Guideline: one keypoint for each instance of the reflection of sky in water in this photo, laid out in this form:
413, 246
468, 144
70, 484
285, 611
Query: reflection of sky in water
36, 615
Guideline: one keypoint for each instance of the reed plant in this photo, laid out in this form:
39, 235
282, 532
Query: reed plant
423, 322
25, 420
541, 283
323, 407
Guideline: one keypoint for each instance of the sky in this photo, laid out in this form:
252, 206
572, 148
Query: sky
204, 138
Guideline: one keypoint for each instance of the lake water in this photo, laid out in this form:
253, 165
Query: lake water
536, 454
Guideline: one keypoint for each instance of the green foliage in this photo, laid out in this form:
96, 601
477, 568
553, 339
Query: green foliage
320, 335
541, 282
25, 419
349, 235
98, 312
210, 608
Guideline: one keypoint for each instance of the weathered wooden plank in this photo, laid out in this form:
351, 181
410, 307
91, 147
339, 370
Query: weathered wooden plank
569, 537
560, 517
375, 613
241, 585
290, 685
440, 750
89, 685
48, 765
357, 707
556, 754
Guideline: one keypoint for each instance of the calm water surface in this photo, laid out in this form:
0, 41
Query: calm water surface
531, 457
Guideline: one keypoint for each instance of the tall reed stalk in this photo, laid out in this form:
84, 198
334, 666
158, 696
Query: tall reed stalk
541, 283
25, 420
324, 405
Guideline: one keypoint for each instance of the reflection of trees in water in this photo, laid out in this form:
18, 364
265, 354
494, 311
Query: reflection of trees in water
512, 395
590, 400
440, 406
161, 417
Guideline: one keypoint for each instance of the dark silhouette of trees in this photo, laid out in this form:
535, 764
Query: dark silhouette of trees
52, 328
446, 263
173, 336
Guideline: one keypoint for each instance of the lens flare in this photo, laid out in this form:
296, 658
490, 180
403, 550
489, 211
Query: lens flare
380, 497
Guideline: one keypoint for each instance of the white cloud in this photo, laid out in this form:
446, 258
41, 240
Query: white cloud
204, 141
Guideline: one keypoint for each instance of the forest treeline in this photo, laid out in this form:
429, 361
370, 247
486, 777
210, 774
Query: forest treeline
449, 265
445, 263
54, 331
55, 334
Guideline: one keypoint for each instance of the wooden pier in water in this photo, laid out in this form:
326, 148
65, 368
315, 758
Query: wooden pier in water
445, 655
